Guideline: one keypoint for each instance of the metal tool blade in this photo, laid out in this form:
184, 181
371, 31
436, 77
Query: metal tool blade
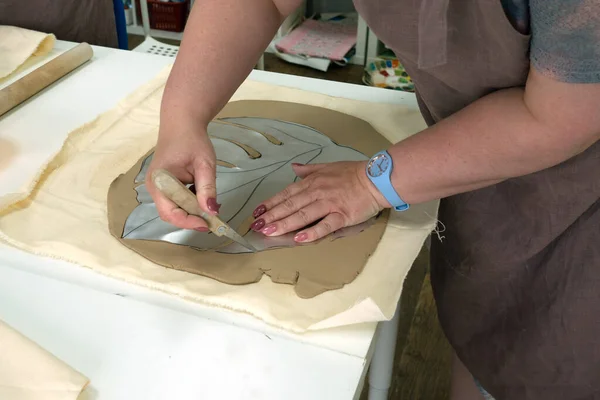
236, 237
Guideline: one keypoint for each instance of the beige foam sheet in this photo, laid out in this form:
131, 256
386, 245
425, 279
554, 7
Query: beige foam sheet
29, 372
66, 204
18, 45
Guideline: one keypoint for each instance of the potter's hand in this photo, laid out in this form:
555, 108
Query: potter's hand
339, 193
191, 158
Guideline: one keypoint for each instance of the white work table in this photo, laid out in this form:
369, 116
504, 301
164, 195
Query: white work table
134, 343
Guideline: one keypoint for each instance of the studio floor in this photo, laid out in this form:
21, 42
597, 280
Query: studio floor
423, 356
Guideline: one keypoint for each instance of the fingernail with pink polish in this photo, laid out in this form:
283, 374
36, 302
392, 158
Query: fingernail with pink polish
202, 229
269, 230
212, 205
257, 225
260, 210
295, 164
301, 237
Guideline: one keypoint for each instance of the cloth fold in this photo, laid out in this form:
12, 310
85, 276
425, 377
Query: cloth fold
29, 372
17, 45
67, 203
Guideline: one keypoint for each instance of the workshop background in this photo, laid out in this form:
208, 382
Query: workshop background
325, 39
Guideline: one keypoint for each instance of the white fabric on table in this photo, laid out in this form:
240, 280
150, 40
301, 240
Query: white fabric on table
17, 45
63, 215
29, 372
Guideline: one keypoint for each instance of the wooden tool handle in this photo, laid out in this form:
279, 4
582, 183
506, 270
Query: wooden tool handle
179, 194
42, 77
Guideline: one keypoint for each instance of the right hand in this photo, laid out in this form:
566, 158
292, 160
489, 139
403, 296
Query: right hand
190, 157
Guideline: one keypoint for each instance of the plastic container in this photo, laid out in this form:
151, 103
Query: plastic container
389, 74
164, 16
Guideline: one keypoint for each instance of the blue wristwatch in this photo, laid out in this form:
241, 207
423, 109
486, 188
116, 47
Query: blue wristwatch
379, 171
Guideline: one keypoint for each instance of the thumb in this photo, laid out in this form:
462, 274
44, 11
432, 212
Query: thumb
206, 189
303, 171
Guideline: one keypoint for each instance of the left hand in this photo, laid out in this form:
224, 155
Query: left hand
339, 193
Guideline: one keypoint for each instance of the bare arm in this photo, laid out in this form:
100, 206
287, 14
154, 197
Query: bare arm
222, 42
509, 133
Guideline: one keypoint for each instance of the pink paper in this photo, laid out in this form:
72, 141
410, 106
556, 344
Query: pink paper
323, 39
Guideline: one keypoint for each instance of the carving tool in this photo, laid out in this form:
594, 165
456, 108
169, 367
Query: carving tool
42, 77
179, 194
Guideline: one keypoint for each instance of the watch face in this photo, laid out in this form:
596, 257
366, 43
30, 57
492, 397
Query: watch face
378, 165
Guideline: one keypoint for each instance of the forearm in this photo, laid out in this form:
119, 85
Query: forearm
493, 139
221, 44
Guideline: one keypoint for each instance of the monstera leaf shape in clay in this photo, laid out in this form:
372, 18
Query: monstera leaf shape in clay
254, 157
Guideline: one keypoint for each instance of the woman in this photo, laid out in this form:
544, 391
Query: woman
511, 92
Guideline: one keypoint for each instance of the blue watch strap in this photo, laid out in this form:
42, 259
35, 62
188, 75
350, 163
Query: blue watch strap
379, 170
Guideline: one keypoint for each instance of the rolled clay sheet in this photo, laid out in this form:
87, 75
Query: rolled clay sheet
313, 268
29, 372
17, 45
94, 155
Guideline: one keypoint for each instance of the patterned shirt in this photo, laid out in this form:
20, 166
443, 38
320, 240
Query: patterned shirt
565, 36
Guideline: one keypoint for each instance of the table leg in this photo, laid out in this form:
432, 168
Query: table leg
382, 364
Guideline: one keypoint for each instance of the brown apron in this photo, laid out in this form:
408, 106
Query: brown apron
517, 277
91, 21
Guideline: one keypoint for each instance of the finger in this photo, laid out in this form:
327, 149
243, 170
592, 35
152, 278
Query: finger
289, 206
285, 194
302, 170
329, 224
205, 184
303, 217
171, 213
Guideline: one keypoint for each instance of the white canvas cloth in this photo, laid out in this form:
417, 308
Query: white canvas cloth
63, 215
29, 372
17, 45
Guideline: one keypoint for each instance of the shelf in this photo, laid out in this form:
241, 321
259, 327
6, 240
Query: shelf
155, 33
